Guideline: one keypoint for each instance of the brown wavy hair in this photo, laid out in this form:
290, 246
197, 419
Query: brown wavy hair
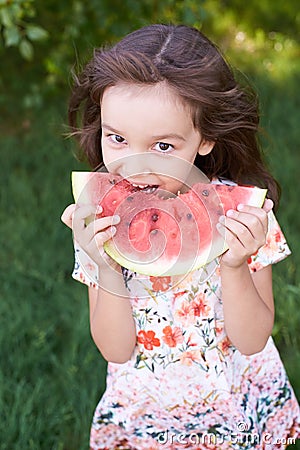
222, 109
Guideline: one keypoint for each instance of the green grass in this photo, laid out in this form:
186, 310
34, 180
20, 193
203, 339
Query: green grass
280, 103
51, 373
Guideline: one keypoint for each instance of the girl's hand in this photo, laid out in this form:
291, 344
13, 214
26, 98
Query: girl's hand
91, 237
244, 231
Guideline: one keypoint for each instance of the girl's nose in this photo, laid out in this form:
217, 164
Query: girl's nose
133, 165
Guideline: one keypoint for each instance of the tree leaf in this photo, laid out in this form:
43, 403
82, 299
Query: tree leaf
5, 17
26, 49
11, 36
36, 33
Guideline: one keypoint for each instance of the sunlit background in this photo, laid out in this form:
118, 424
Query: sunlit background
51, 372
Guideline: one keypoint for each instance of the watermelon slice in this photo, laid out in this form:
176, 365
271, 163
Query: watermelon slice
161, 235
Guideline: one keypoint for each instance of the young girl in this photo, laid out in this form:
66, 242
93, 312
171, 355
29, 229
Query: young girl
191, 363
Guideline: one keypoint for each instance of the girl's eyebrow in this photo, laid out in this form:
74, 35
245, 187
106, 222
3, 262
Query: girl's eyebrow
108, 127
156, 137
169, 136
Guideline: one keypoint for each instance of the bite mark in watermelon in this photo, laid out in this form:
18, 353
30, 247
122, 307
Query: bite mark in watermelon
162, 236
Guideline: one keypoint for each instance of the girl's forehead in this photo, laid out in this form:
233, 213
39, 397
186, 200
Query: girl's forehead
155, 106
161, 90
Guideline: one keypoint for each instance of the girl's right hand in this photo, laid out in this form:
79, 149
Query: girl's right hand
91, 237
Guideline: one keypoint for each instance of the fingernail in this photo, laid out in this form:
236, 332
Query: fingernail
113, 230
116, 219
99, 209
222, 219
240, 207
230, 213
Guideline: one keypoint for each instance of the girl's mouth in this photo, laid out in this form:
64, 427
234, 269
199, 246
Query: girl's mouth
148, 188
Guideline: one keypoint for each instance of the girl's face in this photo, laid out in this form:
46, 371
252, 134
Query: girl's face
148, 136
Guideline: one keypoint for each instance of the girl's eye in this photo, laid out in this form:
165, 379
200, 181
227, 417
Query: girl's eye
163, 147
117, 138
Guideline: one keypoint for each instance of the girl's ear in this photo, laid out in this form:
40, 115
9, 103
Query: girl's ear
205, 147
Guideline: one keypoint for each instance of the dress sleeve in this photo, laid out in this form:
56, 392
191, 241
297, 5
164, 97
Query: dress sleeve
85, 269
274, 250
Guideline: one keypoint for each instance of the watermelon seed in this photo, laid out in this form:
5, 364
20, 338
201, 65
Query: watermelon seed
154, 231
113, 181
205, 192
189, 216
129, 199
154, 217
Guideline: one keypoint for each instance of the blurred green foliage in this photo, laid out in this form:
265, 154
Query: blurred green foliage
52, 35
18, 28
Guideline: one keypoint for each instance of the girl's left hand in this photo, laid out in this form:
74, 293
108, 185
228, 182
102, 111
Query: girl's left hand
244, 231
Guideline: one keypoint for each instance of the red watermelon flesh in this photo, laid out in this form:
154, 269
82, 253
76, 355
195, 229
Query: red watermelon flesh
162, 236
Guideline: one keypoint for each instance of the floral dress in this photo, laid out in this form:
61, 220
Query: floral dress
186, 385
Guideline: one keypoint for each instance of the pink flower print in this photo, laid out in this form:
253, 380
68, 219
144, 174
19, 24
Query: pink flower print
218, 271
172, 337
224, 345
185, 314
278, 236
148, 339
219, 328
160, 283
273, 240
255, 267
200, 306
82, 277
179, 294
187, 358
189, 342
90, 267
249, 260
